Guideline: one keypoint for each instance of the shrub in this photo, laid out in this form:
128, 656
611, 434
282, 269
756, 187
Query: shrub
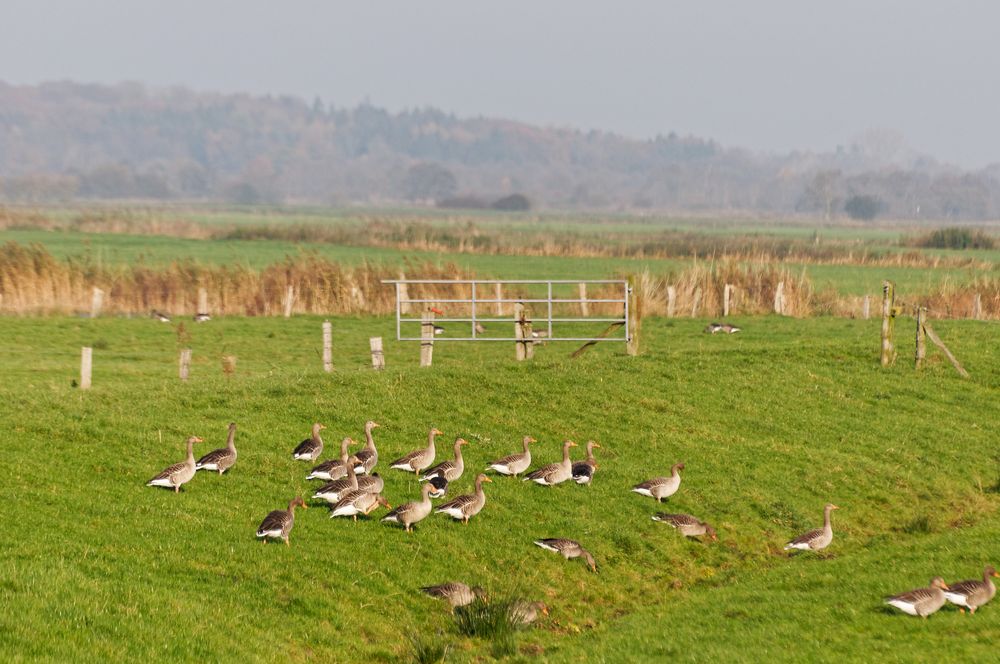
863, 207
956, 238
512, 203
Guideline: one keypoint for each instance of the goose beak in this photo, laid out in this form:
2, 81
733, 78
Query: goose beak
486, 479
545, 610
834, 507
996, 574
597, 444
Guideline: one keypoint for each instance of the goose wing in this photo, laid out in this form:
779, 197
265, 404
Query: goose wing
914, 596
807, 538
306, 446
444, 467
415, 454
460, 503
215, 456
274, 521
649, 485
543, 472
170, 471
676, 520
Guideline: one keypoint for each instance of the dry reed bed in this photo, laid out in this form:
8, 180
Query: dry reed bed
461, 235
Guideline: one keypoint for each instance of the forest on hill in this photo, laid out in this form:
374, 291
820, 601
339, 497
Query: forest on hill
68, 141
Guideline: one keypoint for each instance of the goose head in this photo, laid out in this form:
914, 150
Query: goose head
317, 427
990, 571
528, 439
830, 507
710, 531
371, 424
540, 606
193, 439
298, 502
938, 582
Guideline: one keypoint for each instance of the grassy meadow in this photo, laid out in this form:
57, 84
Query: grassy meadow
772, 423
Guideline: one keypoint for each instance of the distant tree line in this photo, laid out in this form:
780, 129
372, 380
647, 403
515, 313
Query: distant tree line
66, 141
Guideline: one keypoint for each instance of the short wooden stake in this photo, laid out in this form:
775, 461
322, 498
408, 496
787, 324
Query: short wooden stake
524, 348
696, 302
921, 352
185, 363
498, 291
378, 358
671, 301
96, 302
289, 298
888, 323
584, 305
779, 299
866, 308
944, 349
327, 346
86, 362
727, 293
202, 301
977, 307
426, 338
229, 364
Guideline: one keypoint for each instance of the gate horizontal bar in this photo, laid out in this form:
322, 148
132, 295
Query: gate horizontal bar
511, 320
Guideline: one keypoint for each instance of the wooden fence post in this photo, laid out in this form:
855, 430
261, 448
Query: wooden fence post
727, 293
185, 363
696, 302
671, 301
327, 346
524, 347
634, 320
584, 305
977, 307
378, 358
866, 308
779, 299
426, 338
921, 352
96, 302
289, 298
202, 301
86, 362
499, 296
888, 323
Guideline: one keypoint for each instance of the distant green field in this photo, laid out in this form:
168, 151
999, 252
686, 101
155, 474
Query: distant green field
157, 250
772, 423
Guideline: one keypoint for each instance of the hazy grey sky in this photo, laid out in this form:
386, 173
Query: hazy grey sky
764, 74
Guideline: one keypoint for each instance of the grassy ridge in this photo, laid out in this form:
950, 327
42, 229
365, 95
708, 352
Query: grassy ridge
771, 423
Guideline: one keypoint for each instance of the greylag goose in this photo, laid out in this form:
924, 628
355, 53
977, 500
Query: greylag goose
567, 548
972, 594
451, 470
333, 491
455, 593
311, 447
202, 318
333, 469
525, 613
278, 524
174, 476
726, 328
817, 539
358, 502
554, 473
514, 464
583, 471
368, 456
417, 460
661, 487
466, 506
440, 484
687, 525
160, 316
222, 459
922, 601
408, 514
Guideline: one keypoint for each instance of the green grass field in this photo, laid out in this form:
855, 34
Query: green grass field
772, 424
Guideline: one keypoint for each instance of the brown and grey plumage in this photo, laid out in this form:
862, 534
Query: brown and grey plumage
358, 502
554, 473
568, 549
583, 471
451, 469
172, 477
922, 601
455, 593
974, 593
368, 456
333, 491
514, 464
661, 487
816, 539
221, 459
686, 524
278, 524
467, 506
417, 460
332, 469
523, 612
408, 514
310, 448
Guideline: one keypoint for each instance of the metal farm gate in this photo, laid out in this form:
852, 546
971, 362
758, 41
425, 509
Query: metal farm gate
473, 313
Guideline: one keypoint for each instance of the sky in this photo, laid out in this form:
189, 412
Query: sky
770, 75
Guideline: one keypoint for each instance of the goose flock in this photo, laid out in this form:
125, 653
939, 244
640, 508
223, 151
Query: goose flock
352, 488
